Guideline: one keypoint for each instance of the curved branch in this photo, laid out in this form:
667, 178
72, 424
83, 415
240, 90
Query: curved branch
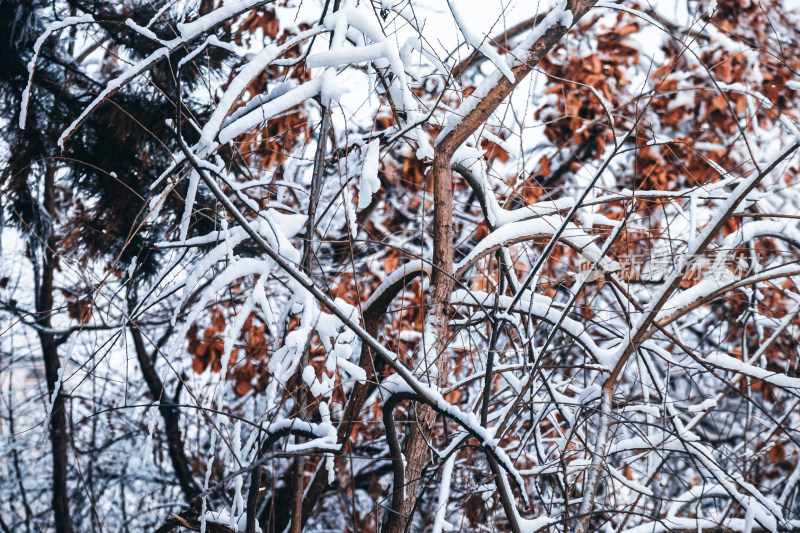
255, 482
398, 498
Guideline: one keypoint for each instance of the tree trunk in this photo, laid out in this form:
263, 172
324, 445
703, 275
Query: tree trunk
52, 364
442, 277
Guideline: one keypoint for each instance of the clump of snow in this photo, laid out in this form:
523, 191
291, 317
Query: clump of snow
37, 48
369, 183
223, 517
478, 41
705, 405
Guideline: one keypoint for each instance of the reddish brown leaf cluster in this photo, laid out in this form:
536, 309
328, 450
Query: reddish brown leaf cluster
208, 349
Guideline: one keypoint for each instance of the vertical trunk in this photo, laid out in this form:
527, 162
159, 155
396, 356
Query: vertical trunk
416, 453
417, 456
52, 364
299, 466
441, 279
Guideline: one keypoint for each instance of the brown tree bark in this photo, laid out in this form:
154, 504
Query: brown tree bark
52, 364
442, 278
